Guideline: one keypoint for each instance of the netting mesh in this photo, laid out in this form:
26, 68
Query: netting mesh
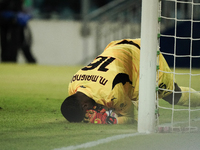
179, 41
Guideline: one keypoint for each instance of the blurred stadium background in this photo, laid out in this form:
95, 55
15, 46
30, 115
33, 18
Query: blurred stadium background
65, 29
72, 32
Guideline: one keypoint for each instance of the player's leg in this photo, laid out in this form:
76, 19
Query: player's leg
4, 42
166, 83
183, 95
177, 96
189, 93
26, 41
14, 43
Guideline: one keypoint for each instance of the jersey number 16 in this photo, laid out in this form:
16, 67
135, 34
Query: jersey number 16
101, 62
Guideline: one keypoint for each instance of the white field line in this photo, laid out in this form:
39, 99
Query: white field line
101, 141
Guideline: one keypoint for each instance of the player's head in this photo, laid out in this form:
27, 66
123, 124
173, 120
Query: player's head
74, 107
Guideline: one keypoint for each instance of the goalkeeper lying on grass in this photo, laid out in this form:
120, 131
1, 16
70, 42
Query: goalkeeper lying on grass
106, 91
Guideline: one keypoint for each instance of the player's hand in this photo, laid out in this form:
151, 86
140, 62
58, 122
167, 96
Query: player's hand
92, 116
99, 117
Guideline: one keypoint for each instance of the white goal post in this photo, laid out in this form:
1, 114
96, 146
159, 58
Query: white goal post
148, 61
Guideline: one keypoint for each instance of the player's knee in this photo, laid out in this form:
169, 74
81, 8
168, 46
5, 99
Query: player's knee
173, 98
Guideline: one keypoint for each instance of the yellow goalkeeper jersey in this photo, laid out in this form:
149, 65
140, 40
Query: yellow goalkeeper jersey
112, 79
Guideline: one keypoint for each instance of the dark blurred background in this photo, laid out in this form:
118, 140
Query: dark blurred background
63, 9
63, 29
71, 9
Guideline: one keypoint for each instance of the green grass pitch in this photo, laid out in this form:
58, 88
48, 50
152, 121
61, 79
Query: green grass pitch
30, 118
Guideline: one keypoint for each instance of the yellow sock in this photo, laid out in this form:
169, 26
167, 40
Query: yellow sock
194, 97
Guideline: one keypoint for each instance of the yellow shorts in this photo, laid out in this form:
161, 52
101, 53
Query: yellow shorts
165, 78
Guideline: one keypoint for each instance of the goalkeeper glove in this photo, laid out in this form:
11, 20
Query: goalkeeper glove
100, 116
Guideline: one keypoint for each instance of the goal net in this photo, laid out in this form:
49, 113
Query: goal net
177, 38
179, 44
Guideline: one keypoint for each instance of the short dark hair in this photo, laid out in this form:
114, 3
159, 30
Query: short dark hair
71, 109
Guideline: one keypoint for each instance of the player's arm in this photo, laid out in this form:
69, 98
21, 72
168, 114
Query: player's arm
99, 115
125, 108
128, 115
103, 116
